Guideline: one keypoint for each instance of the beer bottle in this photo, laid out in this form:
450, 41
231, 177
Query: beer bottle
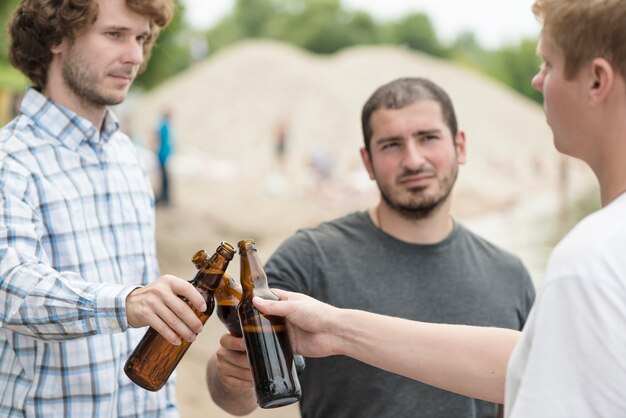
154, 359
227, 297
266, 340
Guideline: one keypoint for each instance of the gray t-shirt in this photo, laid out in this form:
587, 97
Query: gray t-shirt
350, 263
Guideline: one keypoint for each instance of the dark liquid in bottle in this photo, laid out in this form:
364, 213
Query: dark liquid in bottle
154, 359
276, 380
228, 315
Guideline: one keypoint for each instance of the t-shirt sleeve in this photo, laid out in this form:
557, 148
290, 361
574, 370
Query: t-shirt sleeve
292, 265
576, 363
528, 293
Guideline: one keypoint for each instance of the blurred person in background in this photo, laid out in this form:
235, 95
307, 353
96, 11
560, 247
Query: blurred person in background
569, 361
406, 257
164, 150
77, 246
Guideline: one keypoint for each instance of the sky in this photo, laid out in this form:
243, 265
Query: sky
494, 22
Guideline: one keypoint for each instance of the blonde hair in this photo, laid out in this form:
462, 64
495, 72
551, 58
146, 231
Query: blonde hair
586, 29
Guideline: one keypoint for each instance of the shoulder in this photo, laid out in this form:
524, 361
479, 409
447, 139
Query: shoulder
18, 141
594, 248
326, 237
346, 227
484, 247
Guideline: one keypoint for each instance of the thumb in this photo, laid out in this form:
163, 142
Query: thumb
271, 307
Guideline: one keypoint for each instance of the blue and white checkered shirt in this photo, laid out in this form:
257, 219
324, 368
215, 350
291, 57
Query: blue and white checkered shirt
76, 236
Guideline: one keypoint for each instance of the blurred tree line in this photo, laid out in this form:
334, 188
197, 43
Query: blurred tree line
320, 26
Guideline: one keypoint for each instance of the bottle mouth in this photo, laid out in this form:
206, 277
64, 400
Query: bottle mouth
246, 245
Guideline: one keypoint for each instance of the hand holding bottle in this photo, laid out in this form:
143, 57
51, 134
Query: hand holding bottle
159, 306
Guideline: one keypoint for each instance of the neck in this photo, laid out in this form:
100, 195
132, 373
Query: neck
608, 161
430, 230
607, 156
56, 89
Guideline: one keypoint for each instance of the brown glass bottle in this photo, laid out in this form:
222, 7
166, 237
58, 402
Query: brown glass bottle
266, 340
227, 297
154, 359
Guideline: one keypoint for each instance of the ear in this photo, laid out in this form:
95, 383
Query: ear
58, 48
460, 147
367, 162
601, 80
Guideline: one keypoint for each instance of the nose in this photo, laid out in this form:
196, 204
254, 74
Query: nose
537, 81
413, 156
134, 53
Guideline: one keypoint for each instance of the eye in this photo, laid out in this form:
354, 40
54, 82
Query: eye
141, 39
388, 145
113, 34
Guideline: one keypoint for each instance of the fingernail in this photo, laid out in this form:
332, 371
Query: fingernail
177, 342
199, 329
203, 307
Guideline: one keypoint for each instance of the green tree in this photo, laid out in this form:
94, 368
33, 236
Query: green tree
516, 65
417, 32
10, 78
170, 54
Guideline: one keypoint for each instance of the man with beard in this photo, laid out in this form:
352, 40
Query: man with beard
77, 246
406, 257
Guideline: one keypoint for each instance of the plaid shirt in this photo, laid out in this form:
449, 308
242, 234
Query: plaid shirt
76, 236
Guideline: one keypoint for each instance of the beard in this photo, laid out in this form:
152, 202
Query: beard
419, 205
85, 83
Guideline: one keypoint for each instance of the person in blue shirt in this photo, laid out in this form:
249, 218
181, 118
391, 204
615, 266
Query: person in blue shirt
165, 148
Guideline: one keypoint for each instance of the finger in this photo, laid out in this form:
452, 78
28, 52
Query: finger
232, 343
166, 332
184, 288
233, 362
184, 313
170, 313
286, 295
273, 307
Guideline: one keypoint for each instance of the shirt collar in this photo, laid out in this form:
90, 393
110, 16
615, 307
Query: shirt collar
63, 124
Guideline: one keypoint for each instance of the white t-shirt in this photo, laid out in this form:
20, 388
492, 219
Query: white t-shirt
570, 360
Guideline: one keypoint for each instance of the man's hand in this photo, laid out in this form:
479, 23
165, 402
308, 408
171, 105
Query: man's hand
232, 363
229, 377
311, 323
159, 306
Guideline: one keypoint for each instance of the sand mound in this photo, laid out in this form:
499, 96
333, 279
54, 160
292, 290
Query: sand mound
226, 109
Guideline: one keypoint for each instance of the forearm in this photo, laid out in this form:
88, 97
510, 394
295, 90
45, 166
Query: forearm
467, 360
237, 402
45, 304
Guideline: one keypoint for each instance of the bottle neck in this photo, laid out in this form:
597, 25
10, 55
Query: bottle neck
253, 277
210, 275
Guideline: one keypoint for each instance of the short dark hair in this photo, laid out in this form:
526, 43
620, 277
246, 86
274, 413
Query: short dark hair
39, 25
401, 93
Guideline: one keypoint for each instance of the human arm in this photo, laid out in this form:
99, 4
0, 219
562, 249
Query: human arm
229, 377
58, 280
467, 360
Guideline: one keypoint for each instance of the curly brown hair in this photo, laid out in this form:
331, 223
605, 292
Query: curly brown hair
39, 25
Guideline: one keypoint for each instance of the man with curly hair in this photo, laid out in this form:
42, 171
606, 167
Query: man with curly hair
77, 246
